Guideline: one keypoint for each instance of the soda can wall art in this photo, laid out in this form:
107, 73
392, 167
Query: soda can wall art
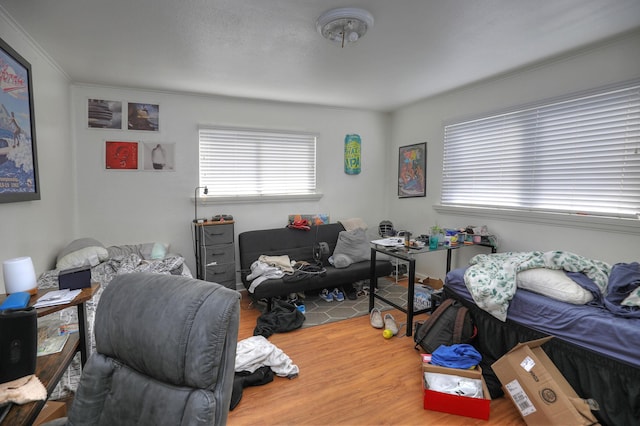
352, 147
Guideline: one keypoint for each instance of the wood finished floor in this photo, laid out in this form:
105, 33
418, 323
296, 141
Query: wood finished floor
349, 375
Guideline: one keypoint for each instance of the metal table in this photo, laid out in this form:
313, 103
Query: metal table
408, 255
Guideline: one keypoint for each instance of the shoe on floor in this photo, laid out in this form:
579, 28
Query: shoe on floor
337, 295
328, 297
352, 293
390, 324
376, 318
300, 306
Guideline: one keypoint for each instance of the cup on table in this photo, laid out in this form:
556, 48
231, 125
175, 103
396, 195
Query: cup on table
433, 242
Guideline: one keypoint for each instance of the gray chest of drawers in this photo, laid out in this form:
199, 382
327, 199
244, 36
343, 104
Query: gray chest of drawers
215, 253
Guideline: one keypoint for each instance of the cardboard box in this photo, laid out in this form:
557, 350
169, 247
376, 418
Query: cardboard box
477, 408
434, 283
51, 410
538, 389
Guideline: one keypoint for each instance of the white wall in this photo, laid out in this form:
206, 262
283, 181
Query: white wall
129, 207
40, 228
608, 63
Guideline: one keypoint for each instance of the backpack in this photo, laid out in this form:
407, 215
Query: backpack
449, 324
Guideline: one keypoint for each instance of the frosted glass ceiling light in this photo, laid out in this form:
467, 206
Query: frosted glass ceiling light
345, 25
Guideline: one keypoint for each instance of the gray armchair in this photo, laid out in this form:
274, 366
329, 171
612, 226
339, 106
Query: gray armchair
165, 354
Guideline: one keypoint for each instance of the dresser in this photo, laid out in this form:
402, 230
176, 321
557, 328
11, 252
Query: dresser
215, 252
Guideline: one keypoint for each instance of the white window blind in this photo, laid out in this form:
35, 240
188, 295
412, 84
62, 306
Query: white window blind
243, 162
578, 155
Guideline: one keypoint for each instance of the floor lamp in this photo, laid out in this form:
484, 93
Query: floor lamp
197, 229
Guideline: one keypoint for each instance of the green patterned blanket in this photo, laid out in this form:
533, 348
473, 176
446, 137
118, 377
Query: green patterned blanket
491, 278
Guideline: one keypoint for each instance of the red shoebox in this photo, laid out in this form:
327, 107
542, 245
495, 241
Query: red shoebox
477, 408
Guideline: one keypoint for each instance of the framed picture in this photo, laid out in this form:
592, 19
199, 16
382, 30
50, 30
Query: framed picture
18, 154
143, 116
412, 171
159, 156
103, 114
120, 155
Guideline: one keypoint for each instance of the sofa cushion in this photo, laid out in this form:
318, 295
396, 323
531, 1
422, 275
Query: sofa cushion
333, 277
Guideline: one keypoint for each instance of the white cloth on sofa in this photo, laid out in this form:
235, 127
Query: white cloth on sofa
256, 351
282, 262
260, 272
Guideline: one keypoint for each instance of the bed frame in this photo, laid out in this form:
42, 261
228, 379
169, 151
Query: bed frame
615, 385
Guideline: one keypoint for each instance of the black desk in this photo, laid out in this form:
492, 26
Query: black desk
408, 255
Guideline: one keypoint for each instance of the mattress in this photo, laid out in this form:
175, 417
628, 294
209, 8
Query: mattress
590, 327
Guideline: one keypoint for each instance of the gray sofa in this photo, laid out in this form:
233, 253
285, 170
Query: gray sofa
299, 246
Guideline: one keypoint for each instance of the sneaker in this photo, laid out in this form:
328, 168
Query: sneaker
328, 297
337, 295
376, 318
390, 324
300, 306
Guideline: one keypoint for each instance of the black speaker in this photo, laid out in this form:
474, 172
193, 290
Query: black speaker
75, 278
18, 343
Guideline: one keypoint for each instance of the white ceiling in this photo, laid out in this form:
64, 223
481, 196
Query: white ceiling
271, 50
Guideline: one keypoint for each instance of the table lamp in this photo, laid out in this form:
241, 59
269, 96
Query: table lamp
19, 275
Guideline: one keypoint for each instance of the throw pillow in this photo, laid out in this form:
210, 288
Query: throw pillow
351, 247
80, 252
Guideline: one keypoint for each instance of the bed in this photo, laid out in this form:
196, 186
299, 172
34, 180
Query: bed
108, 262
588, 306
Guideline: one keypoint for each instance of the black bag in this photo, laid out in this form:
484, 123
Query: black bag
449, 324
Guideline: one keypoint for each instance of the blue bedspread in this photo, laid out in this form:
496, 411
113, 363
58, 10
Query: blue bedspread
593, 326
622, 290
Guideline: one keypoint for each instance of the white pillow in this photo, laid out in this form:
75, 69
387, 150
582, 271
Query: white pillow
80, 252
554, 284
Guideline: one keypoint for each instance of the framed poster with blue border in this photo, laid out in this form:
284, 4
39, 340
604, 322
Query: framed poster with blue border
412, 171
18, 154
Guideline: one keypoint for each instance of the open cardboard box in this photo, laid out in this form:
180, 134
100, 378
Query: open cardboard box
477, 408
538, 389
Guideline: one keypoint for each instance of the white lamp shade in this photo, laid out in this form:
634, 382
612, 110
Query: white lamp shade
19, 275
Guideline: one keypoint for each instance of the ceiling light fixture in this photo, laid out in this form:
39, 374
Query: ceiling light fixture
345, 25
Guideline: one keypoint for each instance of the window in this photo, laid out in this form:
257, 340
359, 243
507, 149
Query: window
243, 162
579, 154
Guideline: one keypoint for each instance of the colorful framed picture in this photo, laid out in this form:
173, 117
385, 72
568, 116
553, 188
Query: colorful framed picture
143, 116
159, 156
120, 155
18, 153
103, 114
412, 171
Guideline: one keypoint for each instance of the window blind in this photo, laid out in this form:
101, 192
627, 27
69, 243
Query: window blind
580, 154
242, 162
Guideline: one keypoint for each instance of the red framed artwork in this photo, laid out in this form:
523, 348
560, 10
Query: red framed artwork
121, 155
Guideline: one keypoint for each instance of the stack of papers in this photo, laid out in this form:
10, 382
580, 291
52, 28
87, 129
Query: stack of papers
389, 242
57, 297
